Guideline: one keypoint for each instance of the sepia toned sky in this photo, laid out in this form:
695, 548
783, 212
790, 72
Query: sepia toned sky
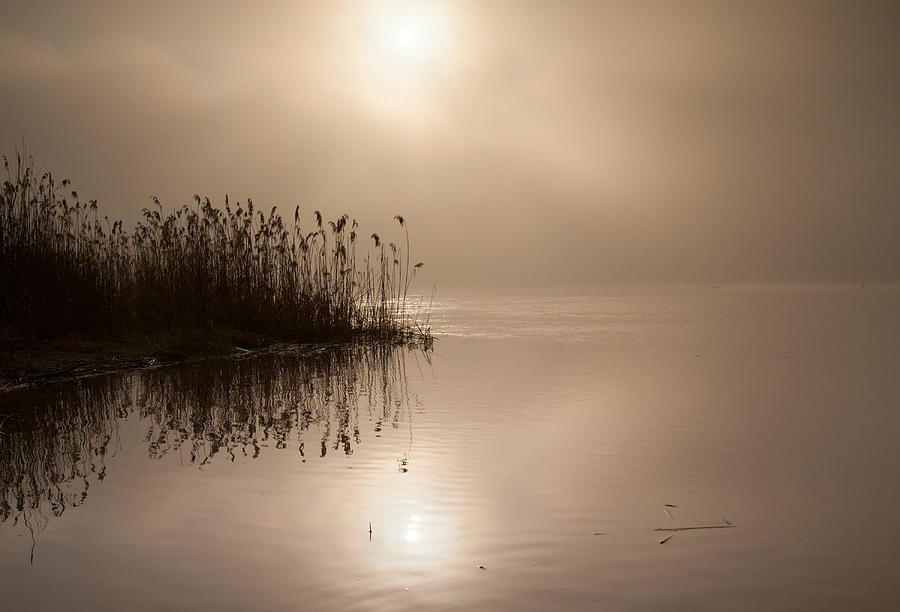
525, 141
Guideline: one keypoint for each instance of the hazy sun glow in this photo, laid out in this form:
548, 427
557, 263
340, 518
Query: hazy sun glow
403, 47
407, 42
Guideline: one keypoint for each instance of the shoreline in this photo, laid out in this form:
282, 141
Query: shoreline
28, 363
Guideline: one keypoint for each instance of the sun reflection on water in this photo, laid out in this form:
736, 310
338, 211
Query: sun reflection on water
412, 529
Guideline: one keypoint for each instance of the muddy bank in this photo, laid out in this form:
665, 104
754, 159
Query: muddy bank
25, 363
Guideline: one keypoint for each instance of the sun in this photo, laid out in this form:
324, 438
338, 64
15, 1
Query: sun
410, 42
404, 46
405, 39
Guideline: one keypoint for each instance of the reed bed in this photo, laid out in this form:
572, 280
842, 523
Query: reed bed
67, 269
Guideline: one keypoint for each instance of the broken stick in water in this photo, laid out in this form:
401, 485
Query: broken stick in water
689, 528
673, 530
667, 539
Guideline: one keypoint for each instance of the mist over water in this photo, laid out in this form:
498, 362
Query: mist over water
576, 197
538, 421
597, 142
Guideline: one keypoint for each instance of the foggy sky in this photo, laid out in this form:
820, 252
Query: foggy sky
539, 142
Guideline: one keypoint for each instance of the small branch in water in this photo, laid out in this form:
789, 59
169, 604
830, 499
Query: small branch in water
599, 533
689, 528
673, 530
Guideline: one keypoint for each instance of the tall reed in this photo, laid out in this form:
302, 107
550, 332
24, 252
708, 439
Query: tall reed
65, 268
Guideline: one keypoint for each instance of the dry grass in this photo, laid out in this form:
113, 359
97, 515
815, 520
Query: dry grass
67, 269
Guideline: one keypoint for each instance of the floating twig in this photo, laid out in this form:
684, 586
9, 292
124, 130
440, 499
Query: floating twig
673, 530
729, 526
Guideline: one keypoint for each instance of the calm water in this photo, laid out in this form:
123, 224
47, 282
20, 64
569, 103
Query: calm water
535, 423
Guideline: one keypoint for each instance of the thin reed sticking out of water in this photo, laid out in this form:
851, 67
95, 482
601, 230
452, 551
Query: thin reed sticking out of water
65, 268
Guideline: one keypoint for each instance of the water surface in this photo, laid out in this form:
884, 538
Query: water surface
537, 422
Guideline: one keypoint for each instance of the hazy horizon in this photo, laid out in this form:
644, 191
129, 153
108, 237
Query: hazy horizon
589, 144
658, 369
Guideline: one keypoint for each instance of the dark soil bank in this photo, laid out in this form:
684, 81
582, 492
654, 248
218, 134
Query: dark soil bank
29, 362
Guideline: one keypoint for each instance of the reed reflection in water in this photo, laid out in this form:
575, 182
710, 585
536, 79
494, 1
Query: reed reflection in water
57, 440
